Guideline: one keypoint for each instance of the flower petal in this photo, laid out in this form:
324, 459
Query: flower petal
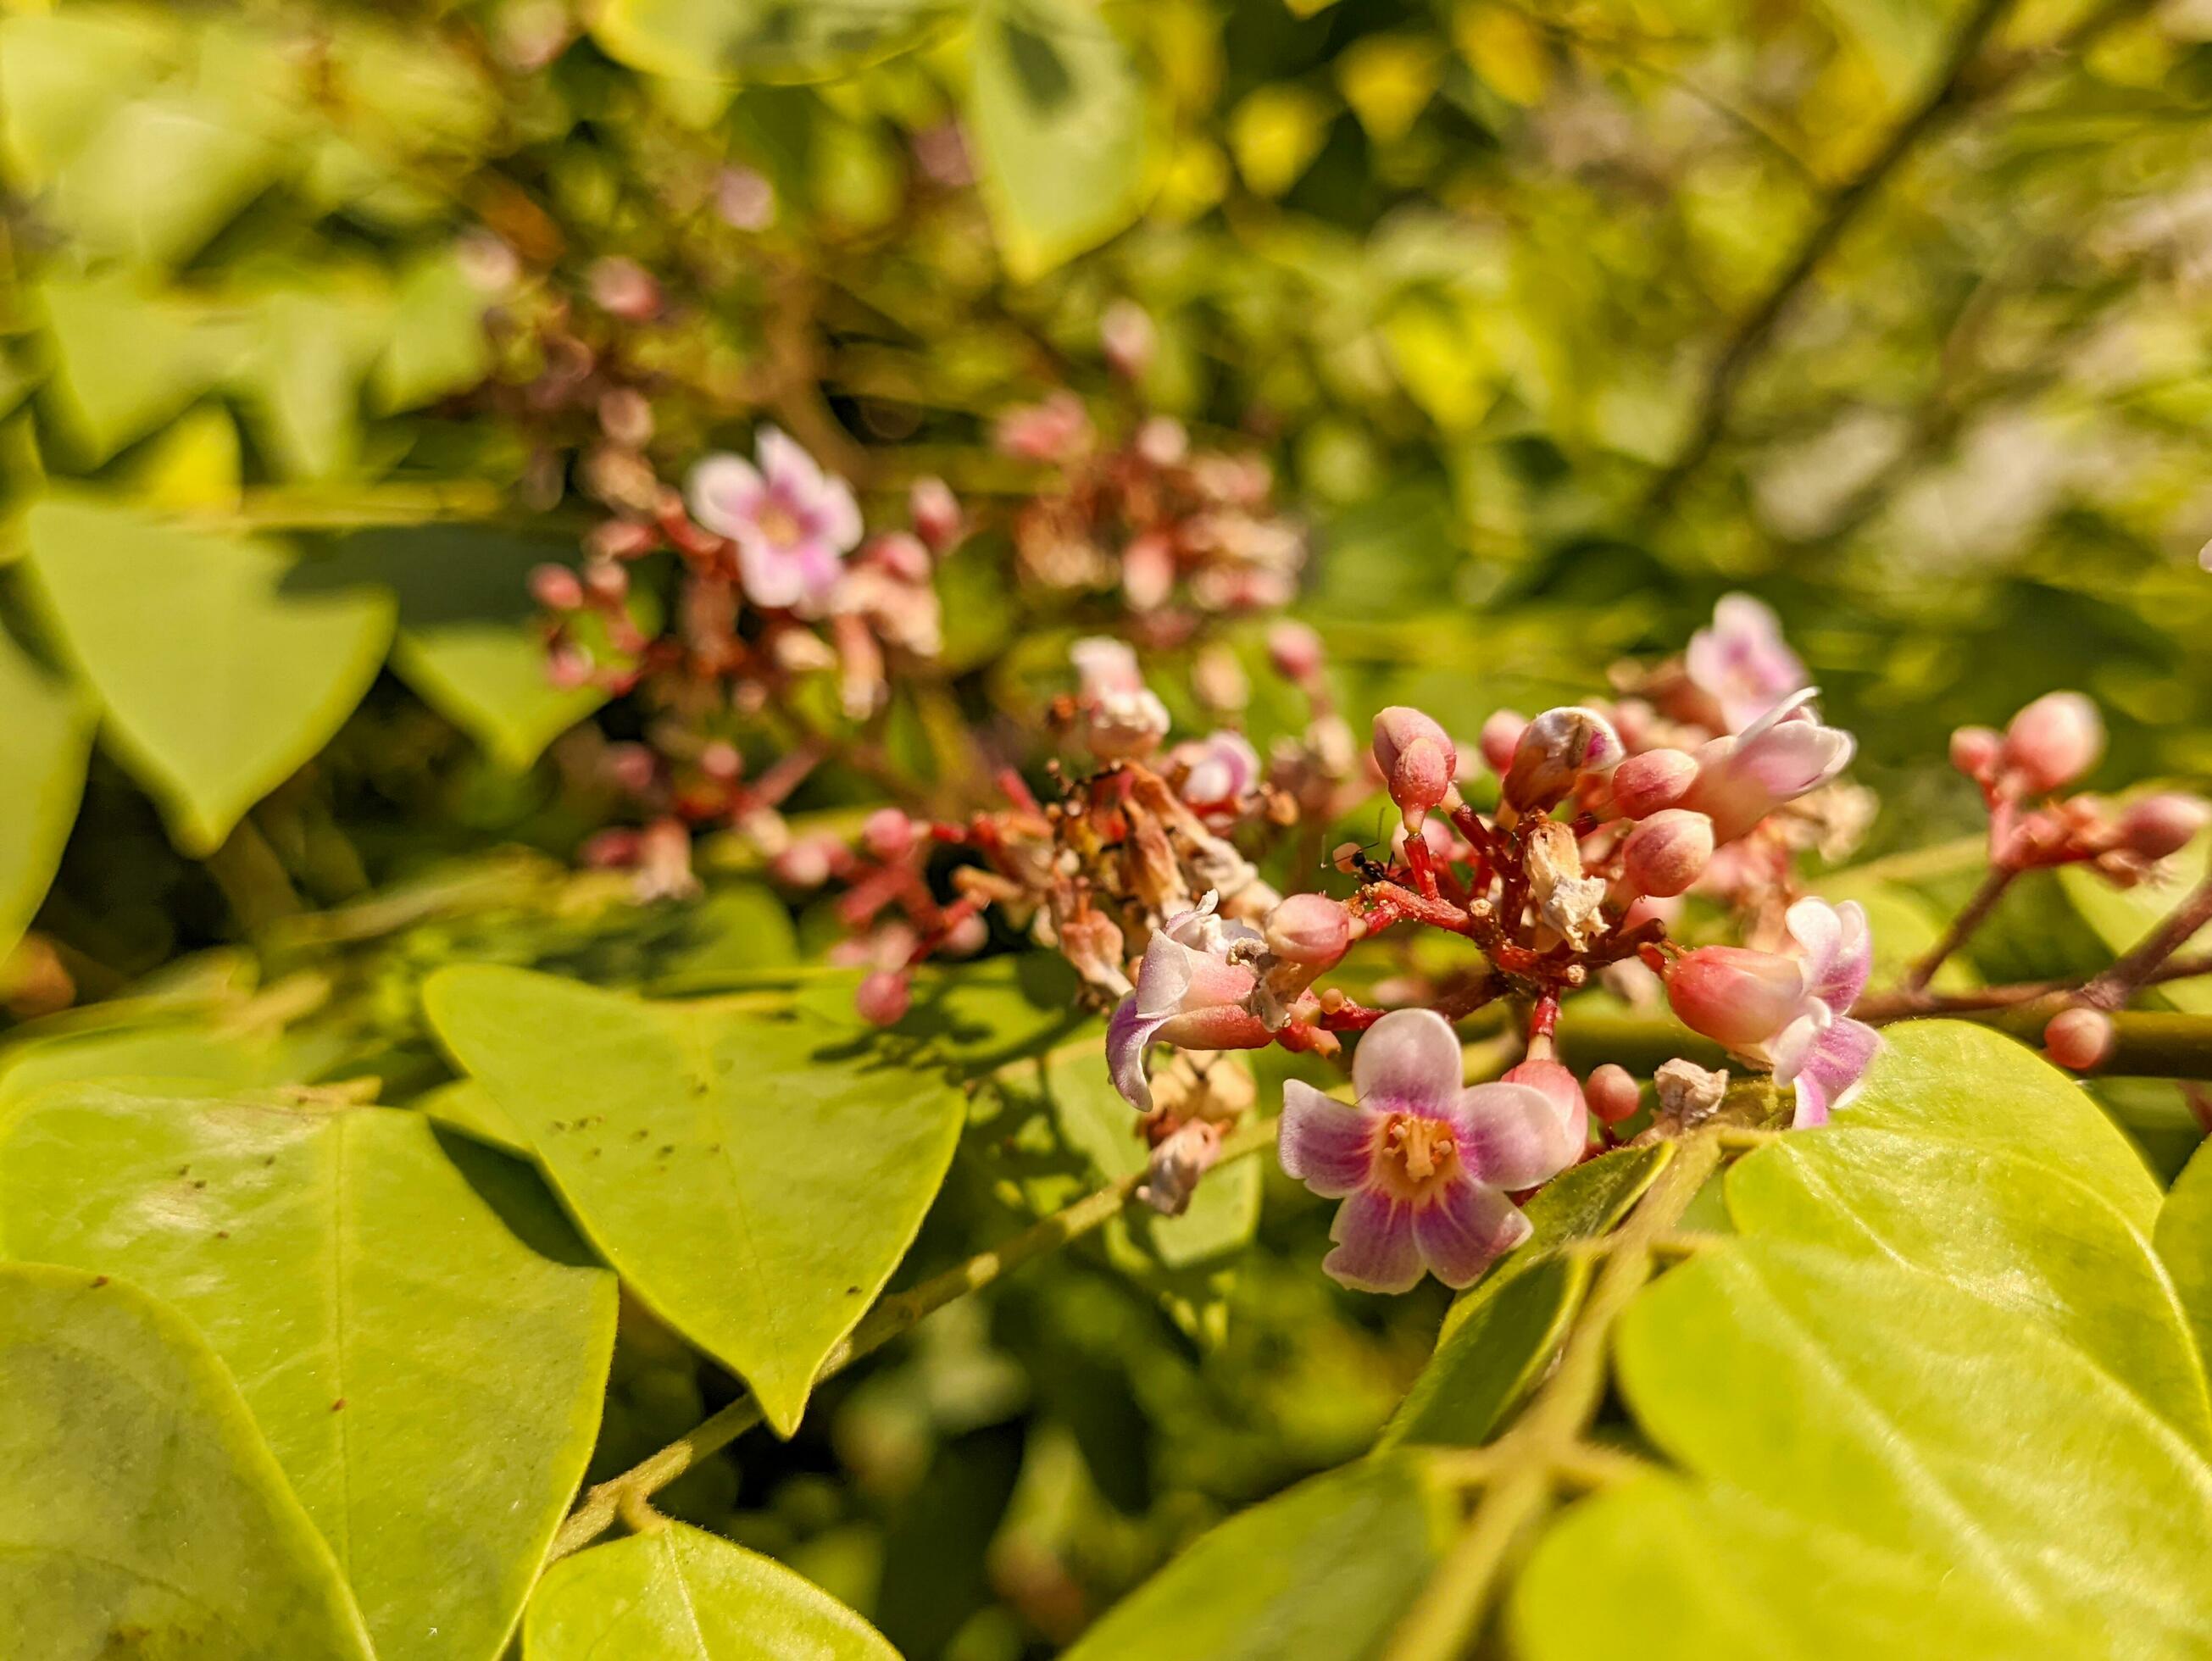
1831, 1069
1837, 948
724, 492
1164, 976
837, 515
1512, 1136
1376, 1251
771, 577
1128, 1032
1464, 1229
786, 463
1410, 1059
1326, 1144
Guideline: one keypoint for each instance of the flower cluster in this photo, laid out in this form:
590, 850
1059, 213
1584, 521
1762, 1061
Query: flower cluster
2050, 745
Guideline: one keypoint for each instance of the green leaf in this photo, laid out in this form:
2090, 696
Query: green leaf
437, 344
126, 361
466, 1106
762, 40
2184, 1241
681, 1594
160, 178
219, 677
754, 1178
142, 1511
1962, 1083
469, 640
302, 379
1057, 114
1322, 1572
62, 74
2009, 1228
45, 741
430, 1383
177, 1052
1486, 1366
1989, 1465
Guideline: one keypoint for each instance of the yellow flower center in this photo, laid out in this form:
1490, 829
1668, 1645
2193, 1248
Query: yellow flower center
1417, 1156
779, 525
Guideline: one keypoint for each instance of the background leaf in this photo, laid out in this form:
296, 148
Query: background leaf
680, 1594
218, 679
135, 1495
754, 1178
46, 740
430, 1382
760, 41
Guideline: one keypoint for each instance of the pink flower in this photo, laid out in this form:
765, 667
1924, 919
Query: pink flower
1789, 1010
1053, 430
1780, 756
1424, 1166
1741, 663
1189, 993
791, 522
1221, 769
1122, 717
1555, 754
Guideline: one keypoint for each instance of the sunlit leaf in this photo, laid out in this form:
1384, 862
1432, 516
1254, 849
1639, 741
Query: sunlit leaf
430, 1381
1057, 116
46, 738
681, 1594
139, 1503
754, 1178
218, 676
762, 40
2123, 918
160, 177
2184, 1241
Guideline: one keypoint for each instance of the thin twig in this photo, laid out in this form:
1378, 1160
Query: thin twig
886, 1321
1971, 917
2131, 973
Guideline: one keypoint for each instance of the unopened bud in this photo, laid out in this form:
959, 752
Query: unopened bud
556, 587
1667, 852
2053, 741
902, 554
1296, 652
883, 997
1308, 929
1612, 1093
1500, 733
1653, 781
721, 761
1974, 750
806, 863
888, 834
630, 766
1127, 333
607, 580
2155, 826
1559, 1084
622, 288
1417, 759
2079, 1039
1734, 995
1556, 750
935, 512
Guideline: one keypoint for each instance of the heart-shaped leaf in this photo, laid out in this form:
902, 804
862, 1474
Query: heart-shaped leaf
46, 740
430, 1383
219, 680
142, 1511
2184, 1241
680, 1594
1322, 1572
754, 1178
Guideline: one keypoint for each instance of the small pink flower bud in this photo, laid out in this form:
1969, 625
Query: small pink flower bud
1296, 652
936, 513
1554, 753
1164, 441
1417, 759
556, 587
2079, 1039
888, 834
1309, 929
805, 864
622, 287
966, 938
744, 199
1148, 571
900, 553
1974, 750
607, 580
626, 418
721, 761
569, 666
1734, 995
1650, 783
1612, 1093
631, 767
1127, 333
2155, 826
883, 997
2053, 741
1559, 1084
1667, 852
1500, 733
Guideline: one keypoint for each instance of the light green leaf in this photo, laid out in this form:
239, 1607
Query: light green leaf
1057, 114
220, 678
437, 344
2122, 918
466, 1106
762, 40
302, 379
140, 1507
1487, 1364
2009, 1228
194, 1051
2184, 1241
46, 740
160, 178
125, 360
681, 1594
1962, 1083
430, 1383
62, 74
756, 1179
468, 640
1996, 1464
1322, 1572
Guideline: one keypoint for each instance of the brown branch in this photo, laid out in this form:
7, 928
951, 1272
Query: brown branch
2131, 973
1971, 917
